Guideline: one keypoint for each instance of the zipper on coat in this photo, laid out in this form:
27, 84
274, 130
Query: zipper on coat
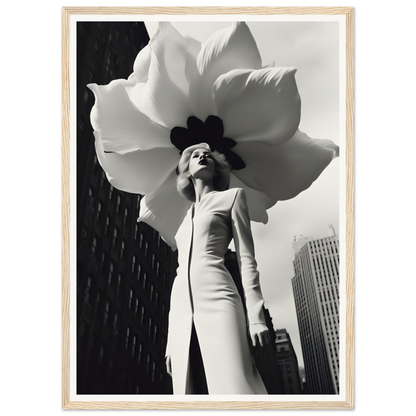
190, 259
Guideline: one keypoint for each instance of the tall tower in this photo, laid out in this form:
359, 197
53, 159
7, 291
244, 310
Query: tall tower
288, 362
316, 292
124, 269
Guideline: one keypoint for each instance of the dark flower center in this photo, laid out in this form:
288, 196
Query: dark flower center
210, 132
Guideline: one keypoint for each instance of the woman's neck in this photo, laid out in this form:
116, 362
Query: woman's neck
202, 188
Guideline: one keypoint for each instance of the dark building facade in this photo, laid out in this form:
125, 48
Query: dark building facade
288, 362
124, 269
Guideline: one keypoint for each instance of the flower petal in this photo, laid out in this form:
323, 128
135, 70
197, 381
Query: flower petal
138, 172
122, 127
227, 49
163, 98
164, 209
262, 105
282, 172
141, 66
258, 202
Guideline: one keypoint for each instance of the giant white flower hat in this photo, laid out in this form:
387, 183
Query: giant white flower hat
182, 92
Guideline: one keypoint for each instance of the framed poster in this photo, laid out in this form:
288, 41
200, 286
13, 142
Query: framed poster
118, 272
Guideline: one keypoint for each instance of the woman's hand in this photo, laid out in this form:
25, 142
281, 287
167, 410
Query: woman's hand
259, 334
169, 365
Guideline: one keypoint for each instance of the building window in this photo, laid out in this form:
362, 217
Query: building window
94, 245
133, 264
133, 347
147, 364
115, 324
107, 225
122, 249
110, 195
110, 274
126, 215
115, 235
131, 298
103, 257
140, 354
106, 312
142, 316
139, 271
99, 207
136, 308
127, 337
153, 371
90, 195
150, 329
86, 96
87, 296
118, 203
144, 280
119, 279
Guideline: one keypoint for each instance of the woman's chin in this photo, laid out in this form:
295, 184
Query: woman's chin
203, 172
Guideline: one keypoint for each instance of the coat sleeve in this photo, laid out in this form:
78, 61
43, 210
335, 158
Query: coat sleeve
244, 246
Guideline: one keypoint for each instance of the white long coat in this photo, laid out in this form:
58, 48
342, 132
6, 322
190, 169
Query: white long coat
204, 294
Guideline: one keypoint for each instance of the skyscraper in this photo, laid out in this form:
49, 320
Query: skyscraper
316, 292
124, 269
288, 362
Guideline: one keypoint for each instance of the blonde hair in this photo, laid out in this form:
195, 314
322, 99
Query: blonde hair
221, 179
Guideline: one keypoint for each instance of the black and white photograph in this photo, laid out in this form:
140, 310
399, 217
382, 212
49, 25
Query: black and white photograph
210, 222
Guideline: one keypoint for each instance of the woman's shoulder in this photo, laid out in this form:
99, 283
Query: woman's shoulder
230, 193
229, 196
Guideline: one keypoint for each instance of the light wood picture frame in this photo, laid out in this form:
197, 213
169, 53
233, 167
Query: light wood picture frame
70, 15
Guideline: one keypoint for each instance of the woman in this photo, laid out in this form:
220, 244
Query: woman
208, 348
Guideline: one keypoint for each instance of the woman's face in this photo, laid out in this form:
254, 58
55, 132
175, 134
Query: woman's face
201, 164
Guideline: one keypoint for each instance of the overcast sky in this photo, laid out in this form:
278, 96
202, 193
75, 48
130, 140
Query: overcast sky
312, 48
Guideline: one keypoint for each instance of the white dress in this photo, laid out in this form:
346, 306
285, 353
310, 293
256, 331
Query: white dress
205, 295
